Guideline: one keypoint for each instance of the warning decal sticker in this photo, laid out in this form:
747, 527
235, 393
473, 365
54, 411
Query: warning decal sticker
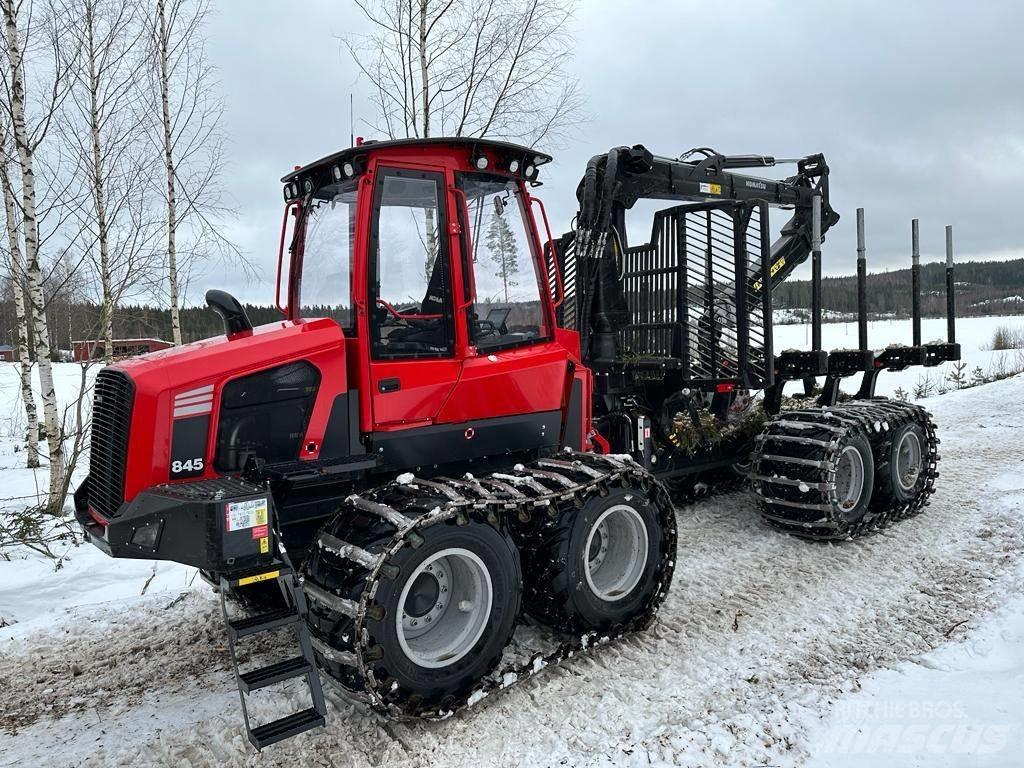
246, 514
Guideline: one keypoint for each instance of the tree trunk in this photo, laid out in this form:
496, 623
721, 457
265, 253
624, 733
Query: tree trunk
432, 245
36, 299
17, 280
97, 178
172, 216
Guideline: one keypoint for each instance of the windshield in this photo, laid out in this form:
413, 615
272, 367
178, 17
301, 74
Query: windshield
326, 283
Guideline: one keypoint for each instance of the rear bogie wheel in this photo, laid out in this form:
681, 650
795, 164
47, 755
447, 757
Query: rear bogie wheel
902, 472
596, 567
854, 477
814, 471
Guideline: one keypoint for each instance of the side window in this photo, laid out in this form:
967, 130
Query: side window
507, 309
410, 288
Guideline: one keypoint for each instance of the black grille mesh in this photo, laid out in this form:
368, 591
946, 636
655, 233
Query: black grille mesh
111, 418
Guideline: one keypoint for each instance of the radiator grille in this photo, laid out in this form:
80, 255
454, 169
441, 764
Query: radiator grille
111, 419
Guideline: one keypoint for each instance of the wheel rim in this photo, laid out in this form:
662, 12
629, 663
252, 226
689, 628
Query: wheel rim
444, 608
849, 478
908, 460
616, 553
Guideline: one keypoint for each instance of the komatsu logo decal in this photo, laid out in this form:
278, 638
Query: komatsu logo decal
756, 184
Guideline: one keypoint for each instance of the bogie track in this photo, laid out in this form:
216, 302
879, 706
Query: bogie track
370, 551
804, 461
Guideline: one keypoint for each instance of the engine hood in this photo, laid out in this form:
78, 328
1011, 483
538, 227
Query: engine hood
206, 366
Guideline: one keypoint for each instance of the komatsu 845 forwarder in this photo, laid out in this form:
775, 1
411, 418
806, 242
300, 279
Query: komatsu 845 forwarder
463, 421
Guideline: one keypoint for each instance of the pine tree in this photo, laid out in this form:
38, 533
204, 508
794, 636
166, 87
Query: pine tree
502, 245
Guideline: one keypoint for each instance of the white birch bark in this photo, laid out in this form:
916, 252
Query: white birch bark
172, 213
97, 182
33, 275
20, 311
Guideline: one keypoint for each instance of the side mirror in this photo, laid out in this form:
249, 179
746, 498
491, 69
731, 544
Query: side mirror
227, 306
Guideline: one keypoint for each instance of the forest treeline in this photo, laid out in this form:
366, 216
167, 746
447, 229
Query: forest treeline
981, 289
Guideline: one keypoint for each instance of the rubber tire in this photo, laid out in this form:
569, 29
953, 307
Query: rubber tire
501, 558
863, 446
432, 686
557, 593
886, 475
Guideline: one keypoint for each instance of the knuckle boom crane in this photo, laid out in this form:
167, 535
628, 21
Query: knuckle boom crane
461, 421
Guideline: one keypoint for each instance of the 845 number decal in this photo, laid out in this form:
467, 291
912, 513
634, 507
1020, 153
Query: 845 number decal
187, 466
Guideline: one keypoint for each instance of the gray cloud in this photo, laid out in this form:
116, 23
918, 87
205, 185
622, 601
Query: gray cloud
917, 106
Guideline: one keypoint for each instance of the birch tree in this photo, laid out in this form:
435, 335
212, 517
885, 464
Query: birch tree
191, 144
106, 136
25, 145
17, 277
496, 68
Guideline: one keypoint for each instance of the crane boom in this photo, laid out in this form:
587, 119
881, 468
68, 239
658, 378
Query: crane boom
615, 181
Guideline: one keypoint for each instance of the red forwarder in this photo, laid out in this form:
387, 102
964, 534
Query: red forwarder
492, 422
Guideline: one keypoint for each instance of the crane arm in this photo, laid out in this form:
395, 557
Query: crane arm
615, 181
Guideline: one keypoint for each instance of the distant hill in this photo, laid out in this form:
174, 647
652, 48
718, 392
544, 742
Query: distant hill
982, 288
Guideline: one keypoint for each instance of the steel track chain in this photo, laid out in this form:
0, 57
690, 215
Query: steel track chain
503, 498
877, 420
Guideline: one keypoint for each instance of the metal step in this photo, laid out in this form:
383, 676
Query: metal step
263, 623
301, 666
274, 673
286, 727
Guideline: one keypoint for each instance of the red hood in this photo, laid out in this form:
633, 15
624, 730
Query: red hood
211, 360
159, 376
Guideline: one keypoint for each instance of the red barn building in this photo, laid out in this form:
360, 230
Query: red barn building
6, 353
92, 349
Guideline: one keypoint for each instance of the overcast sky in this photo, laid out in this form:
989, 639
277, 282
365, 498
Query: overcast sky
917, 106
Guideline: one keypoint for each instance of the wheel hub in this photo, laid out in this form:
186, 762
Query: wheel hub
616, 550
444, 608
908, 460
849, 480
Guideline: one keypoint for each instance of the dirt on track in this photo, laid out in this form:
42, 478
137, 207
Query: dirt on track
760, 635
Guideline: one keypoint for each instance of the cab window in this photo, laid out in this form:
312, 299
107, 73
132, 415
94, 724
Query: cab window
326, 288
507, 309
410, 286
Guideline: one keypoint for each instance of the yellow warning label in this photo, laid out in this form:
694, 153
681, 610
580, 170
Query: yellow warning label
775, 268
261, 512
710, 189
264, 547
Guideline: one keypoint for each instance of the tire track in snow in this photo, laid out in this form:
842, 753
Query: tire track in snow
761, 632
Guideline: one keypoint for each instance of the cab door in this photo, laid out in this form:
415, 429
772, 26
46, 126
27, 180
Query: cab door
410, 318
513, 366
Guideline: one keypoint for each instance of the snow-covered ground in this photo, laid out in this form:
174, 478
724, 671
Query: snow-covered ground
903, 648
974, 334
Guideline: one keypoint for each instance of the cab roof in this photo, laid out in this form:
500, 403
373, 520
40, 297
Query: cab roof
500, 147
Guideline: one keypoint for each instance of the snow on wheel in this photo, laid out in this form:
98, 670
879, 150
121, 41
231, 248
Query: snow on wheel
814, 472
906, 456
439, 617
598, 566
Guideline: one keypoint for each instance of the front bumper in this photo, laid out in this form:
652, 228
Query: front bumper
219, 524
